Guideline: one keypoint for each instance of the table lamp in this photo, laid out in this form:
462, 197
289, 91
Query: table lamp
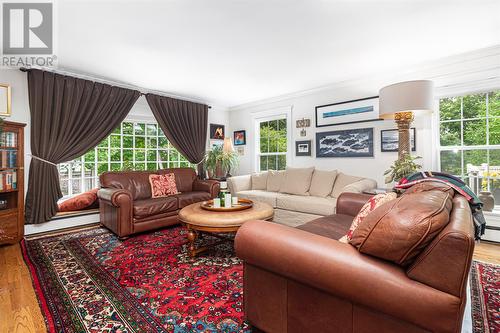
228, 148
401, 101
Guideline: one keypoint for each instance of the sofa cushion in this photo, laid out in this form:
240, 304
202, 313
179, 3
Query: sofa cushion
163, 185
274, 180
297, 181
81, 201
136, 182
342, 181
188, 198
400, 229
322, 182
259, 181
184, 177
333, 226
147, 207
259, 195
306, 204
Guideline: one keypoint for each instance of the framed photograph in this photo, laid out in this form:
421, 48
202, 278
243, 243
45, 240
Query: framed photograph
215, 143
346, 143
355, 111
5, 100
217, 132
240, 138
389, 140
303, 148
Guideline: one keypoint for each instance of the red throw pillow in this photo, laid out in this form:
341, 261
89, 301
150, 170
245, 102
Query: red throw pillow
79, 202
374, 202
163, 185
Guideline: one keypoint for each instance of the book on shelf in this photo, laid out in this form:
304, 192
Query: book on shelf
8, 180
8, 139
8, 158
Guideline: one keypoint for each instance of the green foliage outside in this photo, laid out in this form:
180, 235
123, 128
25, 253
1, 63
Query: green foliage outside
273, 139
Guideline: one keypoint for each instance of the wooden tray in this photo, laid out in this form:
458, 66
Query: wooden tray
242, 205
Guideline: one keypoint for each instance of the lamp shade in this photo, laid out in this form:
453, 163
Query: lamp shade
415, 96
228, 145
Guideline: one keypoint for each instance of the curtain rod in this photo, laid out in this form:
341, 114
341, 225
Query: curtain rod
117, 84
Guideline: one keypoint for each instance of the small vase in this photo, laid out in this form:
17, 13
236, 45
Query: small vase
488, 200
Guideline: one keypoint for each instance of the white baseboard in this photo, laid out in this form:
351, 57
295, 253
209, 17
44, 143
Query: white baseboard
62, 223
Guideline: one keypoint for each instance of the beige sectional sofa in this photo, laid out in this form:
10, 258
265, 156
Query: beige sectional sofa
298, 194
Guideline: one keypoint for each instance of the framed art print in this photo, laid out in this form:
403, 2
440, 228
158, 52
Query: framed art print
240, 138
389, 140
216, 132
355, 111
345, 143
5, 100
303, 148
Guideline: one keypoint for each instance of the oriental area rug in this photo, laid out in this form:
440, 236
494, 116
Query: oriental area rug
90, 281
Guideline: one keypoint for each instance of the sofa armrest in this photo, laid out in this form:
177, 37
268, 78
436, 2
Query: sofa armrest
210, 186
239, 183
360, 186
340, 270
115, 197
351, 203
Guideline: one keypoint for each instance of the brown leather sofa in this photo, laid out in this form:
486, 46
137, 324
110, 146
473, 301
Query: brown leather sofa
126, 206
304, 280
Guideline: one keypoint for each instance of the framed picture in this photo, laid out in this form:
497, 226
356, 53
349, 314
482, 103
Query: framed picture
5, 100
240, 138
389, 140
346, 143
216, 132
355, 111
303, 148
215, 143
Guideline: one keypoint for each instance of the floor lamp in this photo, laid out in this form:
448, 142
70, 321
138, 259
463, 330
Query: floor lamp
401, 101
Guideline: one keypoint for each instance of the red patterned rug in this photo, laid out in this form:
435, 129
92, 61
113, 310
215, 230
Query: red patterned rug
89, 281
485, 290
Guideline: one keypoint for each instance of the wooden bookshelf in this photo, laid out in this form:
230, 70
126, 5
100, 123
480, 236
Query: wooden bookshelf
12, 182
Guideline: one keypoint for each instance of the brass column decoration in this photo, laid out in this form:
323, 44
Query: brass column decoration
403, 120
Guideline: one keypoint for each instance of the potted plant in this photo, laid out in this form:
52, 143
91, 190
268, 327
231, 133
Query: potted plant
403, 167
219, 163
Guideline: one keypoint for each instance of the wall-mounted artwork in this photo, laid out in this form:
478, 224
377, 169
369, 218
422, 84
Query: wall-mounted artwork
303, 148
389, 140
346, 143
355, 111
240, 138
215, 143
5, 100
217, 132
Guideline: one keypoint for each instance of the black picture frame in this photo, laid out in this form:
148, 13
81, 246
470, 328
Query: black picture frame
317, 109
362, 146
299, 146
217, 132
236, 138
383, 145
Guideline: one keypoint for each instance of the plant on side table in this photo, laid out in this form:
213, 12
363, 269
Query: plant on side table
218, 162
402, 167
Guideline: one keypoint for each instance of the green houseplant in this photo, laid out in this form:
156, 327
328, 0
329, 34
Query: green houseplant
401, 168
219, 163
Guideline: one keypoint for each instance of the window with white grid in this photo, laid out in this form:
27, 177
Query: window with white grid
273, 143
131, 146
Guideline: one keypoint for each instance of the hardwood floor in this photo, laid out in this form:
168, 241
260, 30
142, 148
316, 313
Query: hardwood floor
19, 310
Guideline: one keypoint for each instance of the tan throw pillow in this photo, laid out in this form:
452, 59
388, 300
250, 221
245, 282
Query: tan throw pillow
259, 181
322, 182
372, 204
400, 229
342, 181
274, 180
297, 181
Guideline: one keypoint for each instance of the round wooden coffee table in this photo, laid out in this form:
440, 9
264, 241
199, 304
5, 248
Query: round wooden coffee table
198, 221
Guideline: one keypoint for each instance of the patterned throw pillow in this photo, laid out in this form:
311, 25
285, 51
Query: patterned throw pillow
79, 202
374, 202
163, 185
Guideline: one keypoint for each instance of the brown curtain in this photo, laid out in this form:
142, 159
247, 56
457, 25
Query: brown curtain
69, 116
184, 124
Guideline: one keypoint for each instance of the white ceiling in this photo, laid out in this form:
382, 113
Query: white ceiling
230, 52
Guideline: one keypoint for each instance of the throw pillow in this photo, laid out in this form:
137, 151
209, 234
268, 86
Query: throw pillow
259, 181
342, 181
163, 185
297, 181
322, 182
79, 202
400, 229
372, 204
274, 180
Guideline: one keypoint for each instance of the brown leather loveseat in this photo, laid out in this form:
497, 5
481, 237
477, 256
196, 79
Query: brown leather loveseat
126, 206
307, 281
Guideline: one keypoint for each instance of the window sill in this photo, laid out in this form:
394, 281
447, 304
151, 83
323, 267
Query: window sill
63, 215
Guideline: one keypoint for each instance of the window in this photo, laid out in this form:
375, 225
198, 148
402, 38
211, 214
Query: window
131, 146
272, 143
469, 128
